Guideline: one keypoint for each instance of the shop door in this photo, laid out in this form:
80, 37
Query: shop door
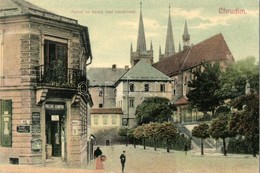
55, 127
56, 135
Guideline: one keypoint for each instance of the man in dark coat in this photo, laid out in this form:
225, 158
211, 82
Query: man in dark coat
123, 159
97, 152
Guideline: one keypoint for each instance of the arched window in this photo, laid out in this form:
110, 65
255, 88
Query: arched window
162, 87
100, 93
131, 87
146, 87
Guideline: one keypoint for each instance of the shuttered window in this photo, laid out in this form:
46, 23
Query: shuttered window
6, 123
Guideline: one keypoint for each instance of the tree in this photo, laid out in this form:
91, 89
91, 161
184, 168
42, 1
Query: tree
152, 132
219, 129
234, 78
203, 87
123, 131
222, 110
167, 131
140, 133
131, 136
246, 121
201, 131
154, 109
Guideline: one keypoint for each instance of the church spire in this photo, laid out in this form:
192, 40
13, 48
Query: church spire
151, 46
169, 46
141, 43
131, 48
186, 36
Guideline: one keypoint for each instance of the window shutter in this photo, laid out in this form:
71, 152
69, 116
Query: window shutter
6, 123
1, 122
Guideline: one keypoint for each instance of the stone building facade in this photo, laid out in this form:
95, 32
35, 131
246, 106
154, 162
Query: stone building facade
140, 82
43, 58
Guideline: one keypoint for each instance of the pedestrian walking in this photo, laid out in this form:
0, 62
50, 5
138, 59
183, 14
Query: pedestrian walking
123, 159
185, 148
97, 156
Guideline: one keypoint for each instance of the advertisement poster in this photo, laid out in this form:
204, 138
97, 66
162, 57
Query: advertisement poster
159, 86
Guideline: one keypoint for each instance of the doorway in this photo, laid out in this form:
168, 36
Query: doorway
55, 130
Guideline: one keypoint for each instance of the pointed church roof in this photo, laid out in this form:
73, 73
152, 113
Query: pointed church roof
185, 31
169, 46
21, 7
141, 43
212, 49
144, 72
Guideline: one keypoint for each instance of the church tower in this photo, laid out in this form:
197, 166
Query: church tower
169, 46
141, 51
186, 36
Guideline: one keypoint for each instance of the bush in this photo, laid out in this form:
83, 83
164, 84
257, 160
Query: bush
240, 145
176, 143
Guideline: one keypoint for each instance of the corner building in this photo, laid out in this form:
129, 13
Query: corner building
43, 59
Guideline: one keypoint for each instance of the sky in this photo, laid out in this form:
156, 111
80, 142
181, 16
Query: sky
113, 24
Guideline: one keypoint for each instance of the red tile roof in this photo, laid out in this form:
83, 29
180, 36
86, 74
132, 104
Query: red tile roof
212, 49
107, 111
181, 101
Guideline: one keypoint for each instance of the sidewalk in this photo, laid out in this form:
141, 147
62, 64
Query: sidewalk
41, 169
9, 168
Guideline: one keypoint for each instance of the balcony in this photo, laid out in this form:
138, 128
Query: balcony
59, 77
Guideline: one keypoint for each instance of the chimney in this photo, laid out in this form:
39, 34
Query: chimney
114, 67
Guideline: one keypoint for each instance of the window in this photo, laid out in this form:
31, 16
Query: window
55, 61
174, 92
114, 120
146, 87
131, 87
6, 119
100, 105
100, 94
131, 102
162, 87
96, 120
105, 120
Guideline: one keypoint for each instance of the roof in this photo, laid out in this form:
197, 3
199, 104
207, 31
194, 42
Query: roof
144, 72
181, 101
21, 7
104, 76
107, 111
212, 49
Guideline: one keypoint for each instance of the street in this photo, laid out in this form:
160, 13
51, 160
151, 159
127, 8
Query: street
139, 160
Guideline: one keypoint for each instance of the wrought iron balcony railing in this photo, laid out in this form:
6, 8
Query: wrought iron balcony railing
59, 77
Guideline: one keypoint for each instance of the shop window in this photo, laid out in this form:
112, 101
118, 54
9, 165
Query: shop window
6, 123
